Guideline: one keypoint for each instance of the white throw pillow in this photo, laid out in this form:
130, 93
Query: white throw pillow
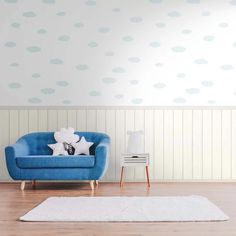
58, 149
82, 147
66, 136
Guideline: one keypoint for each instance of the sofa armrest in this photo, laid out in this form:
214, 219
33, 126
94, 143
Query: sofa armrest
17, 149
11, 152
102, 156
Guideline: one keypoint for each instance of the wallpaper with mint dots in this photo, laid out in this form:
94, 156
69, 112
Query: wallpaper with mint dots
118, 52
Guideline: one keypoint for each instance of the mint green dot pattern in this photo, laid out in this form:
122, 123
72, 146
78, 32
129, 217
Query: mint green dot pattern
61, 13
159, 85
201, 61
178, 49
160, 25
79, 25
134, 59
94, 93
118, 53
56, 61
47, 91
82, 67
208, 38
192, 91
62, 83
10, 44
93, 44
119, 96
119, 70
207, 83
128, 38
33, 49
155, 44
15, 25
137, 101
14, 85
186, 31
42, 31
109, 80
64, 38
181, 75
134, 82
227, 67
35, 75
136, 19
29, 14
179, 100
34, 100
174, 14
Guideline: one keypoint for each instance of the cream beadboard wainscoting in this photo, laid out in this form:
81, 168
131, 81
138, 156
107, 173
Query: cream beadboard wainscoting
185, 143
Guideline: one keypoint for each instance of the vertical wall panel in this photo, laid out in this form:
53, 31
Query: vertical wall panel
81, 120
187, 144
33, 120
139, 123
42, 120
23, 122
71, 119
52, 120
101, 121
197, 144
61, 119
119, 139
216, 145
226, 144
110, 130
14, 126
168, 144
233, 145
4, 141
91, 120
207, 144
149, 140
159, 144
178, 144
129, 126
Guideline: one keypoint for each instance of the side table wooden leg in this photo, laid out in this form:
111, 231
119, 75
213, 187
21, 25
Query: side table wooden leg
147, 173
121, 176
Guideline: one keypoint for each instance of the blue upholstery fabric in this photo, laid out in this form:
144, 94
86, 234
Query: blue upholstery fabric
45, 161
29, 159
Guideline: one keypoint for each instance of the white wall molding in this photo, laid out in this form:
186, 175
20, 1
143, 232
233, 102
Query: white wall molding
185, 144
117, 107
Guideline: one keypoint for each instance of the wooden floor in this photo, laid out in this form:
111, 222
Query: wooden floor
14, 203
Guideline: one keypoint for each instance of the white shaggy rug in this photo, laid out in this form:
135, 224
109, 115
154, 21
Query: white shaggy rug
180, 208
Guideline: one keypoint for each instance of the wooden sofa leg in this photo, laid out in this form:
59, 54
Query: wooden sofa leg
34, 183
22, 186
92, 184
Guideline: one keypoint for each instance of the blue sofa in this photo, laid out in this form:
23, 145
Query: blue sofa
30, 159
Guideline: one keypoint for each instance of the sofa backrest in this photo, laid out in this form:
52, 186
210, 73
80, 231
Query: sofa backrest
38, 142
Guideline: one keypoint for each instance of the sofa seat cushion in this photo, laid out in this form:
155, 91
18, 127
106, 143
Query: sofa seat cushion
48, 161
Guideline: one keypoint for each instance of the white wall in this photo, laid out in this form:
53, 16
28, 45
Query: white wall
184, 143
117, 52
